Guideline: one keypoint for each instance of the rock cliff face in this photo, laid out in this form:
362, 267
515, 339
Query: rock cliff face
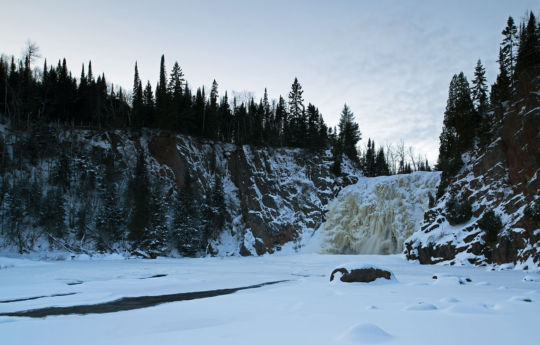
503, 177
273, 195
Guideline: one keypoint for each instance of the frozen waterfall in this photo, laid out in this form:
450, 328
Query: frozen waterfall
377, 214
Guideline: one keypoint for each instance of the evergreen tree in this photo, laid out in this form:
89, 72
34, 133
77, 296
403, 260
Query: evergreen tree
225, 119
500, 91
508, 49
186, 225
479, 96
296, 129
15, 213
52, 217
337, 154
479, 89
176, 81
139, 219
110, 219
296, 100
381, 166
61, 175
268, 121
155, 242
148, 105
528, 58
323, 134
199, 120
162, 98
214, 212
82, 220
212, 119
137, 114
312, 135
369, 159
282, 121
458, 132
349, 134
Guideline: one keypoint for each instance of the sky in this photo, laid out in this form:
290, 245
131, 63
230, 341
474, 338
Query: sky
390, 61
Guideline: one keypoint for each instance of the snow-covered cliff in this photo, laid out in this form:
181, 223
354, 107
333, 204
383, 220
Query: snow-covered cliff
376, 215
503, 177
272, 196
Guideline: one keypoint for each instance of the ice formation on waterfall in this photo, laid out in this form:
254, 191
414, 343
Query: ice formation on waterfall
376, 215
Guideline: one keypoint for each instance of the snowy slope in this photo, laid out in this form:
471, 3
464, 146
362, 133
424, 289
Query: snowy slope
503, 177
376, 215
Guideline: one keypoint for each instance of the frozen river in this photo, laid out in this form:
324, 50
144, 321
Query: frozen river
228, 302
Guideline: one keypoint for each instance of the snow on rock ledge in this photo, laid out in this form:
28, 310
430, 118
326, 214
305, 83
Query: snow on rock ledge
376, 215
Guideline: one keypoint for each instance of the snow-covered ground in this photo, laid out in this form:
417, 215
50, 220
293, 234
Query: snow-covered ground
464, 305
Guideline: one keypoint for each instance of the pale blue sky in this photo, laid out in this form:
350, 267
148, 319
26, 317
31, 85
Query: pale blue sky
391, 61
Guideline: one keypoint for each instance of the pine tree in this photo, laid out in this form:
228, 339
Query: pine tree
52, 217
198, 112
268, 121
186, 225
500, 91
369, 159
162, 98
296, 101
322, 144
461, 114
137, 114
282, 122
528, 58
139, 219
155, 242
15, 212
349, 134
212, 118
381, 166
479, 89
479, 96
508, 49
176, 81
312, 135
148, 106
214, 211
296, 129
110, 219
458, 132
225, 119
337, 154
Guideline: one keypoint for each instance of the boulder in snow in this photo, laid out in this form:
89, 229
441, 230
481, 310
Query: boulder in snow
365, 274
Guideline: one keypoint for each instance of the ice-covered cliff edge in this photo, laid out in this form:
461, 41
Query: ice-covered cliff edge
376, 215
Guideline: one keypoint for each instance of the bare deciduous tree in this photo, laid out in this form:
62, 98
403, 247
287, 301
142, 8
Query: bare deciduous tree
31, 51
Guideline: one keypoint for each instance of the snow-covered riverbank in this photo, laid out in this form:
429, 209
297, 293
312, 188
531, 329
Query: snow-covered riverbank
467, 305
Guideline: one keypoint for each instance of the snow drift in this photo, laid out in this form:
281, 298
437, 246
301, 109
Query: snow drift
376, 215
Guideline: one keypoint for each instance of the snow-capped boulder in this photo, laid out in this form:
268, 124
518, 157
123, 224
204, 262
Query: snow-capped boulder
351, 273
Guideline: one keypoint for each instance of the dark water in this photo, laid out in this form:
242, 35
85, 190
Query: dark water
129, 303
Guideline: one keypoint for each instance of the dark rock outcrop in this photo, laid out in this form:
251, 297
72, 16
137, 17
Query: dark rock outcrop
361, 275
